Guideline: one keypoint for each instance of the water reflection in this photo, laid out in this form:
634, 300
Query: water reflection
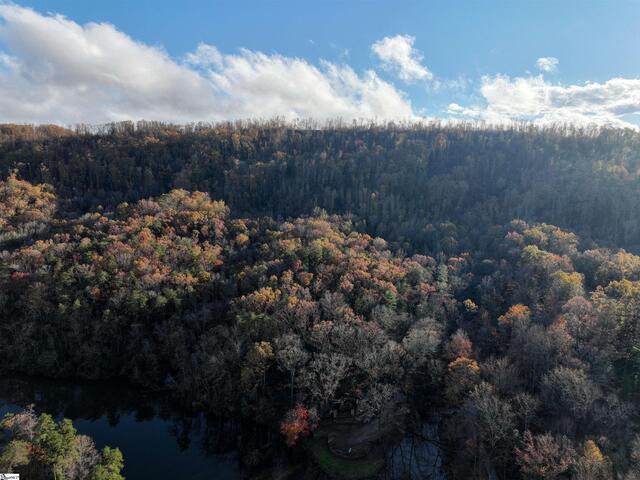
417, 455
157, 439
160, 440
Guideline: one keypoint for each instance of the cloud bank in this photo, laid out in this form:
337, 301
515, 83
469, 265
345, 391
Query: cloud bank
535, 99
253, 84
55, 70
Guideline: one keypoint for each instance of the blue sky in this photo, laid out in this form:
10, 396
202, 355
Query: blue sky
480, 56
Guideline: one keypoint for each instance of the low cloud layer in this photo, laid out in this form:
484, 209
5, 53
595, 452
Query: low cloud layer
536, 100
533, 98
253, 84
398, 55
55, 70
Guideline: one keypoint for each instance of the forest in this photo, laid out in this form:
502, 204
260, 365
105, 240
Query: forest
305, 280
39, 447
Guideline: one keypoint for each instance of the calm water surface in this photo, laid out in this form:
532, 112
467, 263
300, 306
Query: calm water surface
159, 440
156, 439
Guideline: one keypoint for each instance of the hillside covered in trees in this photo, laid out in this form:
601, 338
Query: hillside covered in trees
291, 277
422, 187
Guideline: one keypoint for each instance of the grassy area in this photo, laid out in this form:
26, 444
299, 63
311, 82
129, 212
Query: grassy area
340, 468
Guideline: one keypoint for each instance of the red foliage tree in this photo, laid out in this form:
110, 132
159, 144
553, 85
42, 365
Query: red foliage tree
296, 424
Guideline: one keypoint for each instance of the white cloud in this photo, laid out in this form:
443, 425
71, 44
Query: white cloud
253, 84
547, 64
459, 111
55, 70
66, 72
398, 55
534, 99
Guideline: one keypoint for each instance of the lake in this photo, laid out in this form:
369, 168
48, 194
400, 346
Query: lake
156, 439
160, 440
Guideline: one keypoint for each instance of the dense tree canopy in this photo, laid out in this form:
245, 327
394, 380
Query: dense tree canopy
424, 188
432, 276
